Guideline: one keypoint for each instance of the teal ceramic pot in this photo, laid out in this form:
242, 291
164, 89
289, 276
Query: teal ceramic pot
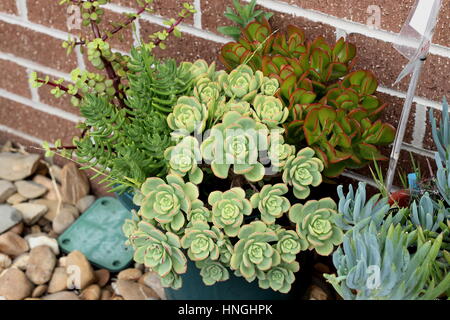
235, 288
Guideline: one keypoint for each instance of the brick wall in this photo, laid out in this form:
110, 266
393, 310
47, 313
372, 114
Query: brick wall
31, 32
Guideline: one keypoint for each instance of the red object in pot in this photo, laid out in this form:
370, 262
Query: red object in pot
401, 198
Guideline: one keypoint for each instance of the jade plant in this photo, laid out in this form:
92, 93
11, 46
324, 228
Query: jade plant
229, 198
124, 99
332, 109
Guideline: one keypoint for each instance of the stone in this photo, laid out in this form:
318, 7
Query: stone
92, 292
18, 228
41, 264
39, 291
14, 285
59, 280
7, 189
79, 271
16, 198
130, 274
63, 295
31, 212
84, 203
12, 244
102, 276
106, 295
52, 193
35, 229
131, 290
317, 293
55, 171
16, 166
5, 261
9, 217
42, 239
43, 181
63, 220
153, 281
74, 184
7, 146
30, 189
21, 262
72, 209
52, 206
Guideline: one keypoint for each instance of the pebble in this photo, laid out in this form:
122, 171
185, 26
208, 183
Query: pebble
130, 274
43, 239
102, 276
131, 290
5, 261
106, 295
18, 228
74, 183
92, 292
41, 264
16, 166
39, 291
7, 189
21, 262
30, 189
84, 203
14, 285
52, 206
55, 171
317, 293
31, 212
58, 281
9, 217
63, 220
16, 198
79, 271
12, 244
153, 281
63, 295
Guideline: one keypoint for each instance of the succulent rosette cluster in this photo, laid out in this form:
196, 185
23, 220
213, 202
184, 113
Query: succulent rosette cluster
231, 181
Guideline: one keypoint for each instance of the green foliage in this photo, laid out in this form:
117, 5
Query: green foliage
331, 109
241, 16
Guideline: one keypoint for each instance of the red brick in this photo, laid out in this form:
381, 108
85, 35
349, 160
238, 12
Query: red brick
36, 123
14, 78
35, 46
8, 6
187, 48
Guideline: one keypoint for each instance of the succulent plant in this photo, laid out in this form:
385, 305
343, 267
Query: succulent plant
426, 214
157, 250
331, 109
167, 203
188, 115
212, 271
241, 83
183, 159
207, 91
270, 86
198, 213
441, 135
290, 244
279, 152
378, 266
270, 111
236, 141
280, 277
270, 202
200, 240
229, 209
253, 253
172, 280
302, 171
315, 222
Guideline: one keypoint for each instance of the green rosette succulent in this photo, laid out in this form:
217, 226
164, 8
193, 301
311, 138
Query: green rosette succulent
172, 280
279, 152
201, 69
236, 141
167, 203
279, 278
198, 213
253, 253
157, 250
270, 202
200, 240
229, 209
183, 159
241, 83
269, 86
270, 111
303, 171
243, 107
207, 91
289, 245
315, 222
188, 115
212, 271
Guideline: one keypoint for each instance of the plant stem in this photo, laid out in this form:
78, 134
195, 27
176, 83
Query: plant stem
60, 86
64, 147
170, 30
